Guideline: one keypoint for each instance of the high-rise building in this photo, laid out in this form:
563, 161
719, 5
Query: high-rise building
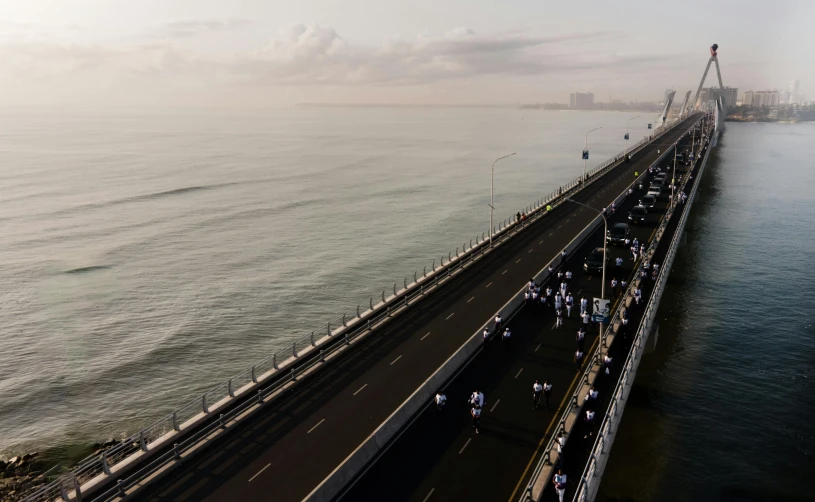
730, 95
761, 98
793, 90
581, 100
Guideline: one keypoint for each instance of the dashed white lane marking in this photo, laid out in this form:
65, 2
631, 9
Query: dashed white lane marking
465, 446
360, 389
541, 241
429, 494
567, 221
551, 234
539, 346
530, 250
494, 405
490, 284
394, 361
561, 226
448, 317
519, 372
318, 424
579, 291
425, 336
504, 272
258, 474
519, 261
471, 299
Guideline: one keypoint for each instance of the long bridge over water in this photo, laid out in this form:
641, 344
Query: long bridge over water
347, 413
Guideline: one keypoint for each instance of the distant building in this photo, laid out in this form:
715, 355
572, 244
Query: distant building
785, 97
667, 93
761, 98
581, 100
793, 89
730, 95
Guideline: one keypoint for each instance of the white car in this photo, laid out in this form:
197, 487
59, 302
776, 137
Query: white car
655, 191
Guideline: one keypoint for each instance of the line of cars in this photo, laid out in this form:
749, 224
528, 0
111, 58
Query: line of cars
619, 232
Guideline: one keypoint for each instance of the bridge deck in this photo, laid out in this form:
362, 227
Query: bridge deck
441, 458
289, 448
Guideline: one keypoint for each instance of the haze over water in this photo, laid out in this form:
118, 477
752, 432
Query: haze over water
147, 257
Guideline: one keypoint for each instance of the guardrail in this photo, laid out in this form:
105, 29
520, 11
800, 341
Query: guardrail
284, 367
590, 479
574, 403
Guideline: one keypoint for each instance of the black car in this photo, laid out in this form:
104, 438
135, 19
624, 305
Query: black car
594, 261
638, 215
618, 233
648, 201
661, 177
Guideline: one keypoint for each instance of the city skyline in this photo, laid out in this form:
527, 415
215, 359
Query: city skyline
254, 53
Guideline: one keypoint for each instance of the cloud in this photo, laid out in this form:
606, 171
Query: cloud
308, 55
197, 27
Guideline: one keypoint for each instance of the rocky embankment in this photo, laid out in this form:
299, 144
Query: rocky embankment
21, 474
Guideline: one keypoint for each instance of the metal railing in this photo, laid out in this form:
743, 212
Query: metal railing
574, 402
280, 369
586, 484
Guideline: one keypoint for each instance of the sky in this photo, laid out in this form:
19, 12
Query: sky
256, 53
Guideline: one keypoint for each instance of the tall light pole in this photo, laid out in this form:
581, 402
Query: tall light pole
625, 152
673, 179
492, 189
605, 247
586, 152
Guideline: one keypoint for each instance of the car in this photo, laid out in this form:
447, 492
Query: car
638, 215
654, 190
618, 233
661, 177
594, 261
680, 157
648, 201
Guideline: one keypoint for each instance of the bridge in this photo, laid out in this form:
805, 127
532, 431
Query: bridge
347, 413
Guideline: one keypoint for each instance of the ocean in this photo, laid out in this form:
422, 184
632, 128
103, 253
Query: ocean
148, 255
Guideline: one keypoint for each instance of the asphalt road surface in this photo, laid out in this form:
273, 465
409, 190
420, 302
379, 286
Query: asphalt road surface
286, 450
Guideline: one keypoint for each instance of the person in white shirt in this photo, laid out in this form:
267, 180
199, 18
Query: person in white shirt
568, 276
560, 484
569, 303
550, 269
548, 295
590, 423
559, 320
547, 392
486, 335
578, 359
637, 295
619, 261
477, 398
563, 287
531, 284
581, 339
527, 297
440, 399
623, 284
475, 412
586, 317
607, 363
642, 249
614, 286
498, 322
583, 304
560, 275
537, 390
534, 296
506, 336
591, 397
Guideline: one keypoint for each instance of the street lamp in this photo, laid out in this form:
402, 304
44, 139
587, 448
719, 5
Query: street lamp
673, 179
625, 152
586, 152
492, 189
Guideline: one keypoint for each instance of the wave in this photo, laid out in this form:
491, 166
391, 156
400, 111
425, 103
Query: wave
83, 270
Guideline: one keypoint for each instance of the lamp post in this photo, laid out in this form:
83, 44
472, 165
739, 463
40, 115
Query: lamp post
492, 189
625, 151
586, 153
605, 247
673, 179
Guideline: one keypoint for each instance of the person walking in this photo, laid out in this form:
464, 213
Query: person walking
548, 295
547, 392
583, 304
440, 399
589, 423
581, 339
507, 337
569, 304
563, 287
559, 320
623, 285
586, 318
614, 286
607, 360
619, 261
568, 277
591, 397
560, 484
637, 295
475, 412
486, 335
578, 359
499, 321
537, 390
